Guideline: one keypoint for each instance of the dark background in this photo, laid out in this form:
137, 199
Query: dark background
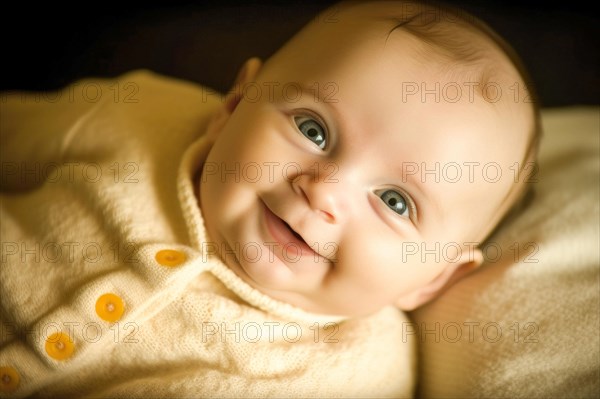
47, 46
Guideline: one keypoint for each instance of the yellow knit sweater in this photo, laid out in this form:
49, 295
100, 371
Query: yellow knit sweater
106, 288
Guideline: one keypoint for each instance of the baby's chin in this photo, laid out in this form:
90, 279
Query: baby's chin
277, 277
315, 302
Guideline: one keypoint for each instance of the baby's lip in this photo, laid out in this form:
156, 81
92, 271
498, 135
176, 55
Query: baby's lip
292, 242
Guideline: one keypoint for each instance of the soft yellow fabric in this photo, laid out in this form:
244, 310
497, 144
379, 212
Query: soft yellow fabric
527, 324
100, 180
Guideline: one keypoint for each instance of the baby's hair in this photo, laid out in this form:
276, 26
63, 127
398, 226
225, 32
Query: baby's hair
451, 34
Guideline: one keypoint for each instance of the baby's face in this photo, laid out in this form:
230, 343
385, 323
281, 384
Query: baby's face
354, 193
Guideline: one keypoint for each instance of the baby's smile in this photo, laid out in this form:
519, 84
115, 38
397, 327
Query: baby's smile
292, 243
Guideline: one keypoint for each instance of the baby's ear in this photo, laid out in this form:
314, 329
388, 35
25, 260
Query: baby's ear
246, 74
469, 261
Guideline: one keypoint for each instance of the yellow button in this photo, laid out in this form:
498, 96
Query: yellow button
170, 257
110, 307
59, 346
9, 379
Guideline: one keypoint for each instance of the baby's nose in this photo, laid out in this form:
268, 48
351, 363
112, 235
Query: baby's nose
328, 198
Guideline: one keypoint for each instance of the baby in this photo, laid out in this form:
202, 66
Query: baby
390, 138
262, 244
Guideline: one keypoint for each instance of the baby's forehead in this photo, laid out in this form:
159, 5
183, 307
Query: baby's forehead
433, 38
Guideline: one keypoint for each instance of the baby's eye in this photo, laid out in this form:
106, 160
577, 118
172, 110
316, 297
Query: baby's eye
395, 201
312, 130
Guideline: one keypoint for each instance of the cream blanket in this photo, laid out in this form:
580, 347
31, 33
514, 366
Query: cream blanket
527, 324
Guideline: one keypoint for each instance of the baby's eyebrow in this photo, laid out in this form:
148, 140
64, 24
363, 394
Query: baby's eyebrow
324, 93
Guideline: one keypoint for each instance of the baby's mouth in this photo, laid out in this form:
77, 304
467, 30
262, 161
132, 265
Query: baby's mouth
298, 236
292, 242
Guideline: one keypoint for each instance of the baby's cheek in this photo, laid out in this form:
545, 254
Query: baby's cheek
403, 266
370, 265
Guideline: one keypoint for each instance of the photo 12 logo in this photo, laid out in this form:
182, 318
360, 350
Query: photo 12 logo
269, 331
67, 252
85, 91
69, 172
253, 172
454, 92
471, 332
271, 91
